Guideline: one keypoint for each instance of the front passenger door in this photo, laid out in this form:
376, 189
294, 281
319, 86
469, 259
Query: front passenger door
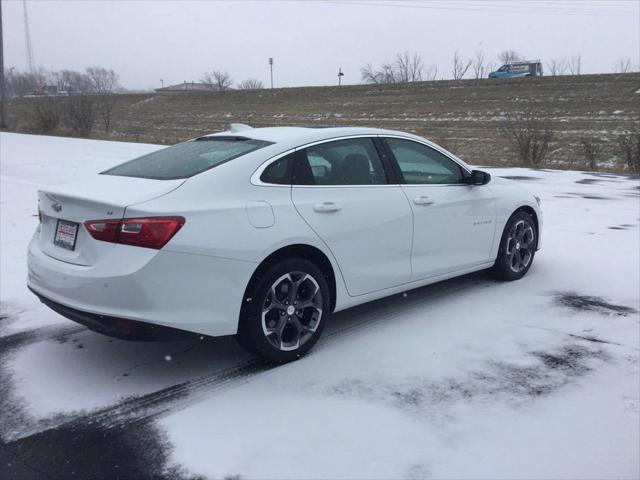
454, 223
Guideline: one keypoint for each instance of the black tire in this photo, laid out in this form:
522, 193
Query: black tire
517, 248
283, 325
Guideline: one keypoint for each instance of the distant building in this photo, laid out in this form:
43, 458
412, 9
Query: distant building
186, 87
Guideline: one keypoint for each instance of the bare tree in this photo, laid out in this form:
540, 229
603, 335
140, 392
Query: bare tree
431, 73
251, 84
629, 149
460, 66
509, 56
408, 68
530, 136
19, 84
622, 66
218, 80
104, 83
479, 67
368, 74
405, 68
72, 82
388, 73
557, 66
575, 64
591, 147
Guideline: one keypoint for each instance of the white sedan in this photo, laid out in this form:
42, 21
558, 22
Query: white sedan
262, 233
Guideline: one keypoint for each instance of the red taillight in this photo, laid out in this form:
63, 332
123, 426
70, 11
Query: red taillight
105, 230
152, 232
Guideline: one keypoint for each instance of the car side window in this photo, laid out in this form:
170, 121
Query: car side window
421, 164
279, 172
353, 161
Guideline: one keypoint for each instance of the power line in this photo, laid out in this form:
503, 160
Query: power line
500, 7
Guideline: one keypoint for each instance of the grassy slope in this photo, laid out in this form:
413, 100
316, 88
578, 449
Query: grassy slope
465, 116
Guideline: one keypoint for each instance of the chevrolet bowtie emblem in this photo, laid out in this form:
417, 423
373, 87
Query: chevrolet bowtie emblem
56, 206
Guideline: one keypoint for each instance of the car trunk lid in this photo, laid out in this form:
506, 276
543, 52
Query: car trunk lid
64, 210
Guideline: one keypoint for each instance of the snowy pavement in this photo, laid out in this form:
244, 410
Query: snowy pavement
469, 378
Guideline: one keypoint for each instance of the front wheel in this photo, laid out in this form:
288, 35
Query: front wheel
287, 311
517, 247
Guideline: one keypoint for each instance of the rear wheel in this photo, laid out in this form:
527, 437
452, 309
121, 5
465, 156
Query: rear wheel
286, 312
517, 247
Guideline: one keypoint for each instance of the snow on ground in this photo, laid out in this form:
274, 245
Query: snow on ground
465, 379
27, 163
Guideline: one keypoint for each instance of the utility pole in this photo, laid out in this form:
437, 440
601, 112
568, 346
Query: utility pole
340, 75
27, 40
271, 68
3, 87
162, 83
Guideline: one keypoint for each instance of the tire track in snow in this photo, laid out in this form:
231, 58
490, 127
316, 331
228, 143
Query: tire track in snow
155, 404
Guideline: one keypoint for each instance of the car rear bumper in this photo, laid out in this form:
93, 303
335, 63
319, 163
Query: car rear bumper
193, 293
122, 328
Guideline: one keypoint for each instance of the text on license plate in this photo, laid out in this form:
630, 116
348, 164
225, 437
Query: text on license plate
66, 233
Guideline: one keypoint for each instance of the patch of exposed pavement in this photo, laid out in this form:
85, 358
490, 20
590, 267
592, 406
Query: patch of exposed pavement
515, 384
586, 303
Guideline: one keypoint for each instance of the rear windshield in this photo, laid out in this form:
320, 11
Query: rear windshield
187, 159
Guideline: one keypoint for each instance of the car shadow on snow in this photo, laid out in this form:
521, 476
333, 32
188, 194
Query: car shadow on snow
520, 177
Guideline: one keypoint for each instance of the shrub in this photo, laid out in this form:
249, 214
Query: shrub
591, 148
46, 114
530, 137
81, 114
629, 149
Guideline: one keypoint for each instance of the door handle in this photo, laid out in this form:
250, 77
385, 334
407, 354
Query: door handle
422, 200
326, 207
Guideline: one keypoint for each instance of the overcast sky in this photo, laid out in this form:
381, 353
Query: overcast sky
145, 41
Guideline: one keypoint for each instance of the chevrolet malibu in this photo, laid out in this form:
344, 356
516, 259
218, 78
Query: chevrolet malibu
263, 233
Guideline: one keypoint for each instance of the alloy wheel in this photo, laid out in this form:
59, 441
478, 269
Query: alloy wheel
520, 246
292, 310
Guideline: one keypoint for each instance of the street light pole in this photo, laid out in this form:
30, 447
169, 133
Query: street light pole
340, 75
271, 68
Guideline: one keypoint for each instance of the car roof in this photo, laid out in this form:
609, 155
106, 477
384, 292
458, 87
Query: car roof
288, 138
295, 136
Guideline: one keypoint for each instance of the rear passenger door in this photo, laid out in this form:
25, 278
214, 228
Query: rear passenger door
454, 223
342, 190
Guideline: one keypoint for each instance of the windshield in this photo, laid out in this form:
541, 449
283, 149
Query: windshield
187, 159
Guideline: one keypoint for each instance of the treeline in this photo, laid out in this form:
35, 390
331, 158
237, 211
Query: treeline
221, 80
94, 80
406, 67
68, 99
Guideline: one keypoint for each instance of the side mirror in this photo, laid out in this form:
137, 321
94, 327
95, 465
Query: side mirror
478, 177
